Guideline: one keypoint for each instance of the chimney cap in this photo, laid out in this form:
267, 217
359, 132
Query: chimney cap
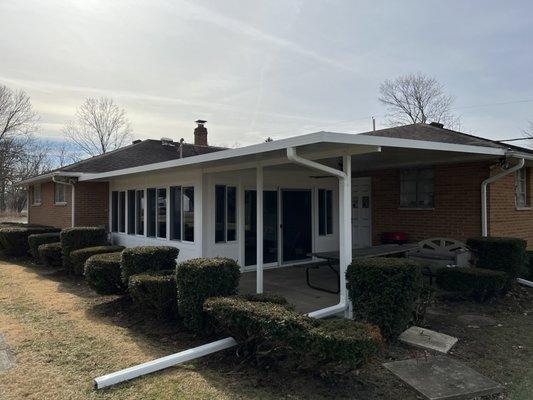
437, 125
200, 121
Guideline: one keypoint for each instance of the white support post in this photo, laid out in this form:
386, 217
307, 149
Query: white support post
259, 208
345, 225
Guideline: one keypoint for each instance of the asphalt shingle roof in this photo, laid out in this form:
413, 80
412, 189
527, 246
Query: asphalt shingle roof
434, 134
143, 153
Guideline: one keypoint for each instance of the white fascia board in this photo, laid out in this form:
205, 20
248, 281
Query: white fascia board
312, 138
48, 177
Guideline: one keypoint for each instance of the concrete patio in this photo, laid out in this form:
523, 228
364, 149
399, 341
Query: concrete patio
290, 282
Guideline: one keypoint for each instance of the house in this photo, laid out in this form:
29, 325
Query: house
321, 191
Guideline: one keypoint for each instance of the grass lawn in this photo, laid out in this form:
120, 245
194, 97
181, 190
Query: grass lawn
63, 335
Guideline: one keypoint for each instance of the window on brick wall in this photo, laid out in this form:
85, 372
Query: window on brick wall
522, 199
37, 194
417, 188
59, 193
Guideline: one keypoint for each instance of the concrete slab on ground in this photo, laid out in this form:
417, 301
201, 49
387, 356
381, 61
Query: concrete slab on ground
443, 378
6, 361
477, 320
428, 339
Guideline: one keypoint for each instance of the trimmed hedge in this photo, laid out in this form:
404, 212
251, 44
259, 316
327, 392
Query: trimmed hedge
14, 239
35, 240
136, 260
266, 297
155, 293
201, 278
78, 257
102, 273
385, 292
477, 283
80, 238
296, 341
50, 254
499, 253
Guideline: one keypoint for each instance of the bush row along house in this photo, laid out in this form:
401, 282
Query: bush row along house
320, 192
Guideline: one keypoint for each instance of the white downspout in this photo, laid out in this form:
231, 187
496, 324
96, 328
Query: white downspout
72, 199
484, 185
345, 241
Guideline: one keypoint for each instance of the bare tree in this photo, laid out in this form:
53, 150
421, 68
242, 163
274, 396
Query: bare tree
416, 98
18, 123
100, 126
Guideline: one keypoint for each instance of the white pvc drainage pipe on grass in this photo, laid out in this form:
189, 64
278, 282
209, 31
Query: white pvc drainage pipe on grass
186, 355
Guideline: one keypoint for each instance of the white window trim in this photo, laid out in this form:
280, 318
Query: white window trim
38, 203
518, 179
60, 203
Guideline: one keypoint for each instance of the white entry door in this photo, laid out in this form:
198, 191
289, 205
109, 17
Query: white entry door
361, 212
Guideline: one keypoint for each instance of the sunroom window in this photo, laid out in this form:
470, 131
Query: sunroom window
37, 194
325, 212
225, 213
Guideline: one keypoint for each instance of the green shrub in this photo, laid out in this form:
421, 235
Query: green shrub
35, 240
199, 279
50, 254
80, 238
78, 257
477, 283
385, 292
155, 293
277, 334
500, 253
102, 273
14, 239
136, 260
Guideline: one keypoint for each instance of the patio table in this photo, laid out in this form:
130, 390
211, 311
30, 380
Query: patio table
331, 257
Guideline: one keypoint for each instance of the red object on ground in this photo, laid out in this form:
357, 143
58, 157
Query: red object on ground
394, 237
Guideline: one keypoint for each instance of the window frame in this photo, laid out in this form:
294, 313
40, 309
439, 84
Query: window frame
327, 211
521, 179
130, 212
157, 208
137, 215
417, 181
38, 203
183, 188
64, 201
225, 222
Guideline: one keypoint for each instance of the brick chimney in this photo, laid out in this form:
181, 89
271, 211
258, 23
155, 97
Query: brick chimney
200, 133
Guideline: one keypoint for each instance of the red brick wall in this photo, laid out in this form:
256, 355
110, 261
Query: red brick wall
49, 213
92, 204
91, 207
504, 217
457, 204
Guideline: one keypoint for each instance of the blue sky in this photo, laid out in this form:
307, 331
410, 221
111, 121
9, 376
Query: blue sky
255, 69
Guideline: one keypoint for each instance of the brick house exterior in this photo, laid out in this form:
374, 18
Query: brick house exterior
91, 205
154, 171
457, 210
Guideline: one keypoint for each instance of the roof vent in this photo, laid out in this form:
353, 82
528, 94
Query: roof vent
437, 125
136, 141
167, 141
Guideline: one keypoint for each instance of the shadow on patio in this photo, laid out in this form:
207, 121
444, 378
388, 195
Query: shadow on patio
290, 282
